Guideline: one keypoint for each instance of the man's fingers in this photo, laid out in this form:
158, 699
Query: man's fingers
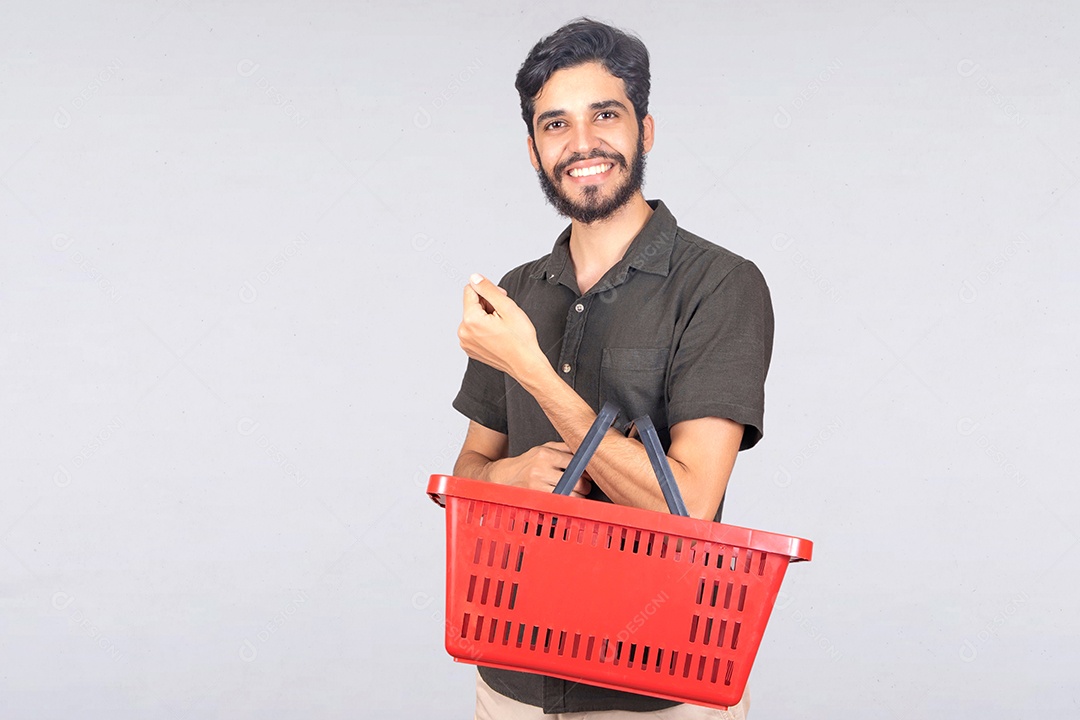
492, 293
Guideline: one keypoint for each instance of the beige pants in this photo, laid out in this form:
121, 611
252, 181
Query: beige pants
491, 705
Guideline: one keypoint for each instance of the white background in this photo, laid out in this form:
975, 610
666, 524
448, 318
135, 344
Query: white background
232, 244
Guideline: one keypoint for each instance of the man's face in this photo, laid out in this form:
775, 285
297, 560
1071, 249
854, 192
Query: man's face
585, 129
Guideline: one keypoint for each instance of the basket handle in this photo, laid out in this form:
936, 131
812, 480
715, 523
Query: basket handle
649, 438
588, 446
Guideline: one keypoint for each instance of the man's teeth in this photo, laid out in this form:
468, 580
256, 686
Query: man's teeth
593, 170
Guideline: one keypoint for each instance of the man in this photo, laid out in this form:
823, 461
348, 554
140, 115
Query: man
627, 308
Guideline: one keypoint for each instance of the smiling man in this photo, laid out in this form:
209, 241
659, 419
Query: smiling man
627, 307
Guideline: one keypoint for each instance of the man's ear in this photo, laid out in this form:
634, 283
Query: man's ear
532, 152
647, 128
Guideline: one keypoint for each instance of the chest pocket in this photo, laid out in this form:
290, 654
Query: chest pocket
634, 379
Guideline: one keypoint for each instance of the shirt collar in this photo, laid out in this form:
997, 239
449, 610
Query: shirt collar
650, 252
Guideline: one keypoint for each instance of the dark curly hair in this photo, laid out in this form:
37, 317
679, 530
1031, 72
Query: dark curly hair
578, 42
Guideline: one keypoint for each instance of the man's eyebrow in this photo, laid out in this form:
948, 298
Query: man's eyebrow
600, 105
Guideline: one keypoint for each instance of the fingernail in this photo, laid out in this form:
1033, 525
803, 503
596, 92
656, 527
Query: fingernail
475, 278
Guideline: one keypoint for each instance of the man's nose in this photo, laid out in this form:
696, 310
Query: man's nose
585, 139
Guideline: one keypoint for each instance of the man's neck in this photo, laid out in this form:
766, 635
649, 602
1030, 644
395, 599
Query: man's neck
596, 248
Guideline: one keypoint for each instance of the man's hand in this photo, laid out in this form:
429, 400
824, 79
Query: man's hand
539, 469
495, 331
483, 457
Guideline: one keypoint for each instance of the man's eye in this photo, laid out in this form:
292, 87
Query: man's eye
607, 112
552, 124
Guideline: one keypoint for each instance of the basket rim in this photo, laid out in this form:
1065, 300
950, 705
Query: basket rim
440, 487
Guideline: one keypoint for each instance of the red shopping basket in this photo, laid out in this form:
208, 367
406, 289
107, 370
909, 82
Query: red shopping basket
609, 595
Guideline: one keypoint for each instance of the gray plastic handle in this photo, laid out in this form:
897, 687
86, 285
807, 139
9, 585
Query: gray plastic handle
649, 438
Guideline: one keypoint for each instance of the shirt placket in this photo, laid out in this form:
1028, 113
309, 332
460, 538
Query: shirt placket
573, 334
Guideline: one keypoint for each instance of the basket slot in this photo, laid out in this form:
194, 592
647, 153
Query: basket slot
686, 665
678, 549
472, 588
547, 640
513, 597
721, 632
498, 516
465, 625
663, 547
749, 557
539, 524
554, 522
618, 651
479, 627
499, 592
735, 635
520, 558
603, 650
484, 592
734, 559
708, 632
693, 628
715, 670
479, 549
701, 668
630, 656
521, 635
692, 552
761, 564
659, 658
506, 632
610, 533
580, 533
644, 657
700, 591
491, 632
511, 520
469, 512
730, 672
673, 662
715, 590
742, 598
589, 647
595, 533
727, 595
637, 541
649, 546
506, 556
566, 530
491, 554
577, 645
562, 641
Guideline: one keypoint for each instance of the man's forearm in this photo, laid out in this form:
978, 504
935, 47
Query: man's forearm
621, 467
473, 465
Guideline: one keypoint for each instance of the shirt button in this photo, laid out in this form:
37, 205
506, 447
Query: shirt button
566, 367
579, 307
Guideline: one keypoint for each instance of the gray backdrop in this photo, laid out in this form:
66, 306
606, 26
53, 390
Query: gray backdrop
234, 238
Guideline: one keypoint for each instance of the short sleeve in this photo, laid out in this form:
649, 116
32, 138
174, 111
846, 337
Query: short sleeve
482, 396
723, 355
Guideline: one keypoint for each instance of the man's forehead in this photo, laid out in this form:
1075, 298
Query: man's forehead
581, 86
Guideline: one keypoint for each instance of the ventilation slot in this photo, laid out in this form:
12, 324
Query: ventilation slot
472, 588
513, 596
742, 598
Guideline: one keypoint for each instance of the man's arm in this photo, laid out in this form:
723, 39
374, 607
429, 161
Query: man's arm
483, 457
702, 451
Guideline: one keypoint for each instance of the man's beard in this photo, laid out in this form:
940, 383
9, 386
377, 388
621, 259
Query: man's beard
594, 207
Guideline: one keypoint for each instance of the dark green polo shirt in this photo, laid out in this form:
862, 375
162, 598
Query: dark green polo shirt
678, 329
